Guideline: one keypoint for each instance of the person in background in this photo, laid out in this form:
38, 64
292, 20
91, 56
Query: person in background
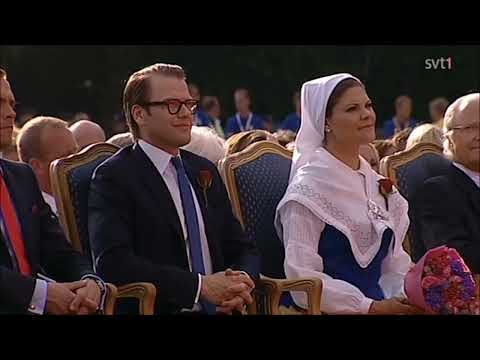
9, 151
285, 137
384, 148
201, 117
437, 108
33, 244
211, 105
370, 154
293, 120
206, 143
41, 141
87, 132
399, 140
425, 133
244, 119
402, 119
448, 206
121, 140
241, 141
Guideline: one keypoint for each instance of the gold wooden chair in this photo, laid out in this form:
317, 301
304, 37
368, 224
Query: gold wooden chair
70, 179
408, 170
256, 179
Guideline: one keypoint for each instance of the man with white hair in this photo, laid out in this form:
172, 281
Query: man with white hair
41, 141
449, 205
87, 132
207, 143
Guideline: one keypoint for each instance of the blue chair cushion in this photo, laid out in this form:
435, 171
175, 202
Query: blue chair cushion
414, 173
79, 187
261, 185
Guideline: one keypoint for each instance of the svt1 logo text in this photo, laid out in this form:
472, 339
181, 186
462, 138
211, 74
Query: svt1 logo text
440, 63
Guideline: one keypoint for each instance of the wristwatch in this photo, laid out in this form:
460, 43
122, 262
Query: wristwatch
103, 289
100, 284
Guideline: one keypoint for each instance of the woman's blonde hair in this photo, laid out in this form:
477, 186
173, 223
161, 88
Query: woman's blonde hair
384, 147
240, 141
285, 137
426, 133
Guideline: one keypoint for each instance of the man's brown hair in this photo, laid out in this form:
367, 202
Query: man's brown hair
137, 90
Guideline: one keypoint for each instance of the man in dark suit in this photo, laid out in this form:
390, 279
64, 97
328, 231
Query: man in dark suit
449, 206
162, 215
32, 242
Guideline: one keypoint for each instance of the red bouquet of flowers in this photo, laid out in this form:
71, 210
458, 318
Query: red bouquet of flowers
441, 283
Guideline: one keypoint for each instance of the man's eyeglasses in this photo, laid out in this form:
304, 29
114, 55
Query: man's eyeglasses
473, 127
174, 105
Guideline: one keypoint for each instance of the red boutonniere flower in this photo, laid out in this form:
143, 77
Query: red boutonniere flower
205, 179
385, 187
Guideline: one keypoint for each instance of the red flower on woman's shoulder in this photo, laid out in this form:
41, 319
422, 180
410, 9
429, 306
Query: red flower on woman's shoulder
386, 186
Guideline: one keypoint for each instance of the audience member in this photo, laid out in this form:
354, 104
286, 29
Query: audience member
402, 118
41, 141
244, 119
161, 214
425, 133
449, 205
293, 120
87, 132
437, 108
32, 242
241, 141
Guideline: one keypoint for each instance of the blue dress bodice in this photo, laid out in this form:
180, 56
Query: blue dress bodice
339, 261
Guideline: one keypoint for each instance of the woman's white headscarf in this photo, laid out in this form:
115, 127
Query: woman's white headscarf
314, 98
332, 191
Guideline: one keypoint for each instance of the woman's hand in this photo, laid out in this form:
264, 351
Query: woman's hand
394, 306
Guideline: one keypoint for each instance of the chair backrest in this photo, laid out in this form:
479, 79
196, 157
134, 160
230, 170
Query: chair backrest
409, 169
256, 179
70, 179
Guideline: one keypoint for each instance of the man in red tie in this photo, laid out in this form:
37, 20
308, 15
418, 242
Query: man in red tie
32, 242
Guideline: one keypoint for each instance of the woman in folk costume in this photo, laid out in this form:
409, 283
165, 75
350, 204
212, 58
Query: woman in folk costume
333, 219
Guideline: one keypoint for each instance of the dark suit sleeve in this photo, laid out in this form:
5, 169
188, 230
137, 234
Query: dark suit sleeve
240, 253
16, 290
57, 257
111, 219
442, 223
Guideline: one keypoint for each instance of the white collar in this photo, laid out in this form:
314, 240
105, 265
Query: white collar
159, 157
333, 192
475, 176
50, 200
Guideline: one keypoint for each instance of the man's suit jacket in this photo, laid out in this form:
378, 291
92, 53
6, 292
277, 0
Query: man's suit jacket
47, 248
448, 213
136, 234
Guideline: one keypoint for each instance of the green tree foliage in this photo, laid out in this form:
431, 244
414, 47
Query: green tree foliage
55, 79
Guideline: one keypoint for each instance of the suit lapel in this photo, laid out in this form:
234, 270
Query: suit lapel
468, 186
155, 183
